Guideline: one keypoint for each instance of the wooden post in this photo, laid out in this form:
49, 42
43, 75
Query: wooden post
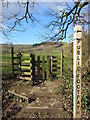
48, 66
51, 64
31, 75
30, 68
77, 51
33, 66
43, 68
61, 62
38, 67
19, 63
12, 54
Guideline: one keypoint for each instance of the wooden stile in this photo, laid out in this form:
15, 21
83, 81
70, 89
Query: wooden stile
26, 68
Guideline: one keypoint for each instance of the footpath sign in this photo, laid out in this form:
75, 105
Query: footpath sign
77, 59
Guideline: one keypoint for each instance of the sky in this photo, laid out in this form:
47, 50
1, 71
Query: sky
33, 32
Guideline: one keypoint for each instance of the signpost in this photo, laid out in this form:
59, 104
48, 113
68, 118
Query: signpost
77, 71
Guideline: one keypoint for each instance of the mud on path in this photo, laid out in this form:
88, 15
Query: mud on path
44, 100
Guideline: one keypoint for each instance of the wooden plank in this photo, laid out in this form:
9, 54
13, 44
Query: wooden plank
25, 61
26, 78
43, 68
27, 73
25, 65
19, 95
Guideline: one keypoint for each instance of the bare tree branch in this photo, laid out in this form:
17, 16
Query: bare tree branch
64, 18
16, 18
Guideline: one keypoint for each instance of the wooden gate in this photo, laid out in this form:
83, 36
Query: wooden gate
36, 68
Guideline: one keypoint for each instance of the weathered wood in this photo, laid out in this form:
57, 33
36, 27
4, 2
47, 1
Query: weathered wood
43, 68
12, 54
77, 71
38, 67
25, 61
26, 65
61, 63
48, 67
19, 64
33, 65
19, 95
26, 78
27, 73
51, 65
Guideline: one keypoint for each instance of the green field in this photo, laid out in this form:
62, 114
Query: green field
67, 60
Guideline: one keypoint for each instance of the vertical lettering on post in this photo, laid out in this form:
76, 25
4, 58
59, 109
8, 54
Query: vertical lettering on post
77, 52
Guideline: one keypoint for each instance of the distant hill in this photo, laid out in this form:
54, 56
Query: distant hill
24, 48
27, 48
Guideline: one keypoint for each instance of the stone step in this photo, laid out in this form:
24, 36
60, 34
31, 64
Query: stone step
42, 113
38, 91
44, 109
